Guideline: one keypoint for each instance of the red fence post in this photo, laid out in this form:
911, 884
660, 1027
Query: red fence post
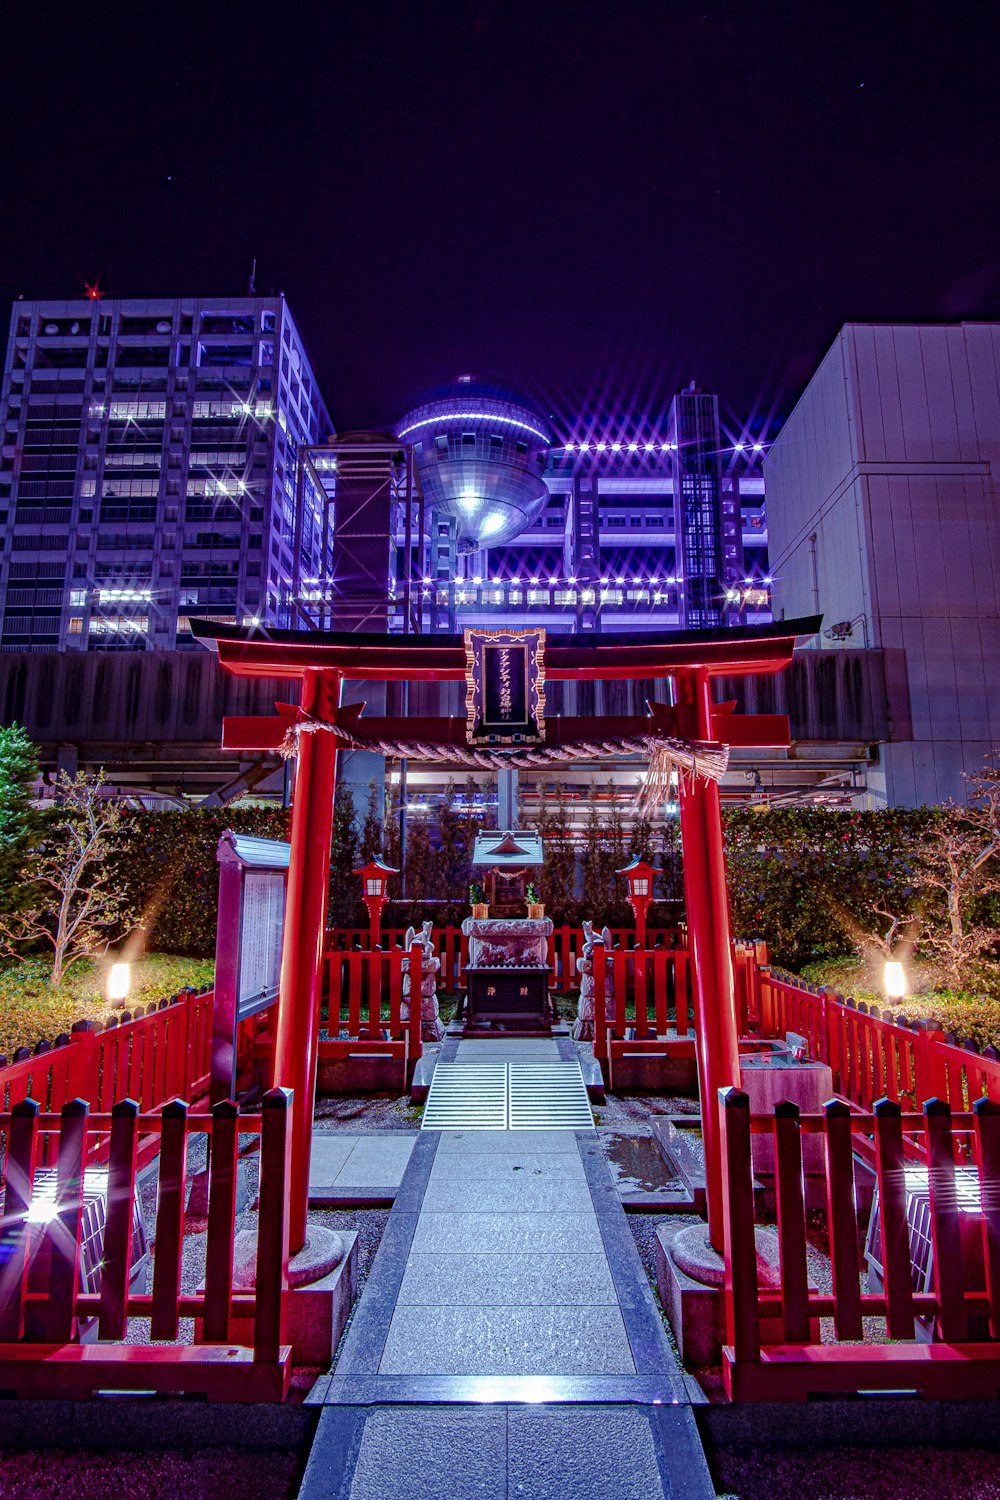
271, 1311
892, 1219
600, 1006
415, 1049
949, 1277
221, 1223
742, 1312
987, 1114
791, 1223
169, 1221
20, 1170
842, 1219
117, 1258
64, 1232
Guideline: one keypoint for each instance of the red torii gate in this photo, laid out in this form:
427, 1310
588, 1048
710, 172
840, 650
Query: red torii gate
322, 661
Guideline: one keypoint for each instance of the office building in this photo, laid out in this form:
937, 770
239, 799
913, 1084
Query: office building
883, 515
148, 468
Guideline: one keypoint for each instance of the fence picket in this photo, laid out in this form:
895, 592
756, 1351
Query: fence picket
221, 1221
892, 1220
949, 1278
987, 1114
742, 1315
169, 1220
660, 959
14, 1230
116, 1261
63, 1233
682, 1008
842, 1219
354, 993
641, 1014
791, 1223
270, 1314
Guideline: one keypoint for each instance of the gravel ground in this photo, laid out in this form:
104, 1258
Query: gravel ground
366, 1116
859, 1474
205, 1474
369, 1222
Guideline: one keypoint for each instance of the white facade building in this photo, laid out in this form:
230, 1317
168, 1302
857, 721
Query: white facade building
884, 514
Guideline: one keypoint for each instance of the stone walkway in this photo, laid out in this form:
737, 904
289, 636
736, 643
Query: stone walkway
507, 1343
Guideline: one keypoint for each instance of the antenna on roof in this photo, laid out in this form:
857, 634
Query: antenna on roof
253, 278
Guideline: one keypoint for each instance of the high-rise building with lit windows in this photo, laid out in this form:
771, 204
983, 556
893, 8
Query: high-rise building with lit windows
148, 470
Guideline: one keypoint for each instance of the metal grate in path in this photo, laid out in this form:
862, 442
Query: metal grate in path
507, 1096
547, 1096
467, 1096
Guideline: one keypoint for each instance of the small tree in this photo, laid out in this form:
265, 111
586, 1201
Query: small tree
76, 905
454, 855
420, 862
344, 900
372, 829
958, 864
18, 820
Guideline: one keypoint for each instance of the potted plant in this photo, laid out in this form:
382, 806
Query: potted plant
480, 909
536, 910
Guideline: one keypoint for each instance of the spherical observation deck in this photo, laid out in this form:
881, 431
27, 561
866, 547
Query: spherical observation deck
479, 449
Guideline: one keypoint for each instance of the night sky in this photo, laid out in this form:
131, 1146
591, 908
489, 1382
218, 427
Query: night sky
598, 202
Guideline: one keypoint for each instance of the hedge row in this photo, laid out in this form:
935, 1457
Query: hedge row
804, 880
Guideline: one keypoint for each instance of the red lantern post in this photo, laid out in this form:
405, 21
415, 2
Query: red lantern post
640, 893
374, 892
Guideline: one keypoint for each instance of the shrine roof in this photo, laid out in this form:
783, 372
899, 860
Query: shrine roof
737, 650
509, 849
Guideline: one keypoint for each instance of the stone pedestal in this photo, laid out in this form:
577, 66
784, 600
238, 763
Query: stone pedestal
767, 1083
323, 1281
691, 1280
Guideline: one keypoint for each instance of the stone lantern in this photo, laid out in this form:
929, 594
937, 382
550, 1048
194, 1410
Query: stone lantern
640, 893
374, 891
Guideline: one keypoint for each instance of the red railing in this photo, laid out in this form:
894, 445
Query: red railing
155, 1055
872, 1055
774, 1351
361, 985
452, 947
242, 1354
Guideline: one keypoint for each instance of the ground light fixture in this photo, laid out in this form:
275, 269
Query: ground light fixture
893, 979
119, 981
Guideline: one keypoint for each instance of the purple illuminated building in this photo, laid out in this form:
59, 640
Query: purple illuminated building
489, 513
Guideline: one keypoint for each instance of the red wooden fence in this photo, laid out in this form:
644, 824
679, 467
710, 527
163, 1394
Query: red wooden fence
360, 984
158, 1054
41, 1297
964, 1297
872, 1054
452, 946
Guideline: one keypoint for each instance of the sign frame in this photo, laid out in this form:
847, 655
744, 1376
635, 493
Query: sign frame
505, 686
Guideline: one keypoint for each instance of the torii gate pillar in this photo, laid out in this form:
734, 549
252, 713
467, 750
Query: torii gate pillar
710, 938
300, 986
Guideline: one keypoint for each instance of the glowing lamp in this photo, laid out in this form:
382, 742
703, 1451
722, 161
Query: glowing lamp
374, 890
640, 876
119, 981
893, 980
